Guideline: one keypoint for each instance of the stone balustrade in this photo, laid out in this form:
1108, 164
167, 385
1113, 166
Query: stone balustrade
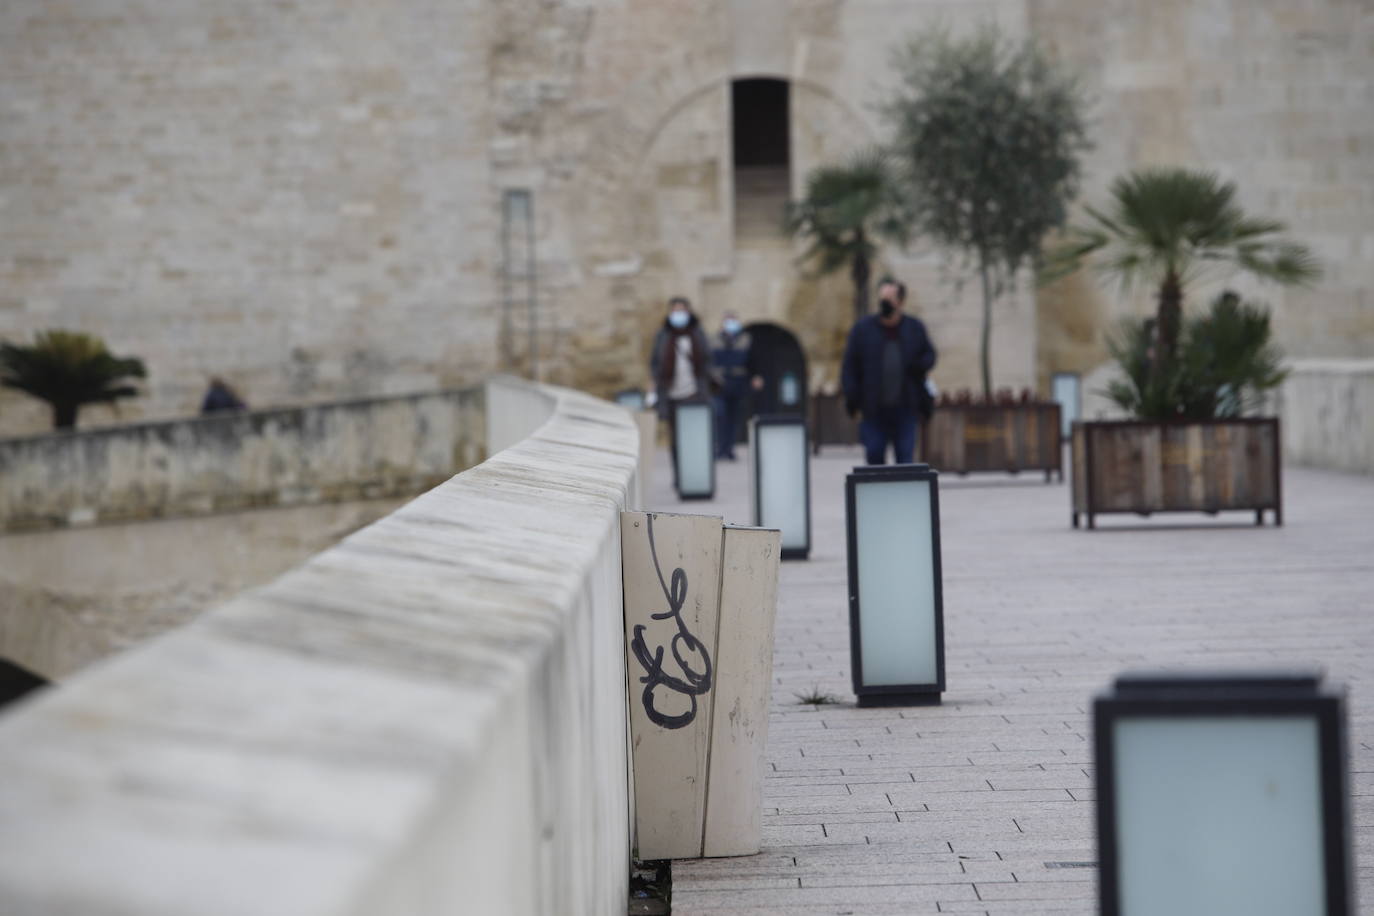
318, 453
429, 717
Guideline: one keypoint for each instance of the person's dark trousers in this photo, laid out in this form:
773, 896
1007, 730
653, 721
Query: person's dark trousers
893, 426
727, 423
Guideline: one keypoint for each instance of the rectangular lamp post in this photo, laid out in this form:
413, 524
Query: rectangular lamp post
896, 609
694, 449
1066, 390
781, 480
1222, 794
630, 399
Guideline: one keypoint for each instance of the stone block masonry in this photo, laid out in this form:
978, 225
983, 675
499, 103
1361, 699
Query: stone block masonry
324, 453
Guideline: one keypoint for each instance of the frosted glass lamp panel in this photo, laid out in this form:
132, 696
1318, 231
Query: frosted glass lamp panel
1064, 390
782, 487
789, 391
694, 447
896, 582
1219, 814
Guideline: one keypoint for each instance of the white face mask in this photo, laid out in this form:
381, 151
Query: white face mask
731, 326
679, 319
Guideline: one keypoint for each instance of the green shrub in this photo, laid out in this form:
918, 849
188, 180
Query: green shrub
1225, 362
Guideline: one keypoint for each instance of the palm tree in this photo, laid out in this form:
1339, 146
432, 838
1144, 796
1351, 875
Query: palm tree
1164, 226
68, 369
846, 210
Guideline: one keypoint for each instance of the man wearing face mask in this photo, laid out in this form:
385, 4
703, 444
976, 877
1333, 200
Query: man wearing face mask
679, 360
884, 376
734, 366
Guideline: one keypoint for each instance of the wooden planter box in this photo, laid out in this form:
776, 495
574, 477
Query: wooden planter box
1179, 466
961, 438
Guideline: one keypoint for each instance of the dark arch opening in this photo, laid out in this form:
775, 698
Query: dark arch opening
778, 357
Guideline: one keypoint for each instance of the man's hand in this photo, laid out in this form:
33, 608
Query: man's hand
757, 382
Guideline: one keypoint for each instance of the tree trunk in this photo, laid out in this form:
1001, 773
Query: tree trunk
859, 273
1168, 320
64, 415
985, 349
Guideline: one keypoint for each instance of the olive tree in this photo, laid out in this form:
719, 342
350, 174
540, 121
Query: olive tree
988, 133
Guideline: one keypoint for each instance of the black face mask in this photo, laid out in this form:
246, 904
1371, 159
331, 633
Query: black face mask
886, 308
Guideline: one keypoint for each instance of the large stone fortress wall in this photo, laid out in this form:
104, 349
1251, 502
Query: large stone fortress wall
1277, 95
308, 196
292, 194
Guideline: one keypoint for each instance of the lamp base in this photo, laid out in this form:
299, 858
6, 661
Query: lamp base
870, 700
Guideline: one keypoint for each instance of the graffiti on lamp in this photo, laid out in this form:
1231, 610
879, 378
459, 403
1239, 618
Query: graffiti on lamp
684, 647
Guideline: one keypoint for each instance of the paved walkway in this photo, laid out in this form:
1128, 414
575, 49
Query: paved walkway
984, 803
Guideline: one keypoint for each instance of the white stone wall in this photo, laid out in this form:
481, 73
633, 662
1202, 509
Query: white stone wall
290, 195
1324, 408
1277, 95
428, 718
325, 453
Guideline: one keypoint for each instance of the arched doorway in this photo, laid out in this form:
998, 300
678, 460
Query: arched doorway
778, 357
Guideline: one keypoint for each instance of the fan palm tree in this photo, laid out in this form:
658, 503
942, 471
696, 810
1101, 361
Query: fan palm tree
68, 369
846, 210
1166, 225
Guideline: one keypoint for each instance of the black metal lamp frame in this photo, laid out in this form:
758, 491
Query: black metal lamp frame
1180, 696
776, 419
893, 694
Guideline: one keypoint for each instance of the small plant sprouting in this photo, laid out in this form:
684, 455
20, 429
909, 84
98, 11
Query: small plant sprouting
816, 697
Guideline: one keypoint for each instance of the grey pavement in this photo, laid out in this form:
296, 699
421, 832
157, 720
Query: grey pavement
984, 804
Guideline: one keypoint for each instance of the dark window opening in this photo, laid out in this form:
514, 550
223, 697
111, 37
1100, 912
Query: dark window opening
760, 123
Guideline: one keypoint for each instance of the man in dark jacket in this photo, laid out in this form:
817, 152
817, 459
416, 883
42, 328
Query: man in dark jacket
884, 376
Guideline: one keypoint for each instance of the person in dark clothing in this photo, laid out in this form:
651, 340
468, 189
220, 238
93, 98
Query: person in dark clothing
884, 376
680, 358
734, 368
219, 396
679, 365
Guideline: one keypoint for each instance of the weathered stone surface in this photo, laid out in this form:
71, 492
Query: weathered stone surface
326, 453
307, 197
427, 718
1326, 414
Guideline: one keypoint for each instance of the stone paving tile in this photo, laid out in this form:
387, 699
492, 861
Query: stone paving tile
860, 894
968, 806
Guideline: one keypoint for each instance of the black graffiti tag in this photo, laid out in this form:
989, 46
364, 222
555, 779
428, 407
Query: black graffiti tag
683, 645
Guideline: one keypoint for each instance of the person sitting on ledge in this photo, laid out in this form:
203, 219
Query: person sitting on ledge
220, 397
